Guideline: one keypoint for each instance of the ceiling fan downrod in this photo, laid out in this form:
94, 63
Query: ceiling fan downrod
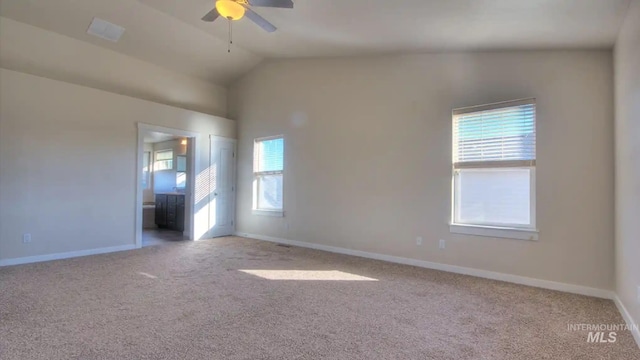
230, 36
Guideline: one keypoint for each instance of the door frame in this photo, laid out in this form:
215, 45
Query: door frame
192, 159
234, 184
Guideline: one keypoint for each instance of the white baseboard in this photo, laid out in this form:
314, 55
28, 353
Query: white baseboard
546, 284
66, 255
635, 331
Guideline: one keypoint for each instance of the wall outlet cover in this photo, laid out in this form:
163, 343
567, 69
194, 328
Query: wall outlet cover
26, 238
442, 244
419, 240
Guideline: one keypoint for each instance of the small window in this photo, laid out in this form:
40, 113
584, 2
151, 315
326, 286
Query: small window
182, 163
181, 172
164, 160
146, 170
268, 167
494, 164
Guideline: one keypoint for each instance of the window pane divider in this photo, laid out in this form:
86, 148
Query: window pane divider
494, 164
262, 173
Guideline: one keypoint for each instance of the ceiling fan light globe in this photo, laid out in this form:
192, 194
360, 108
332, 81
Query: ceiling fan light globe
230, 9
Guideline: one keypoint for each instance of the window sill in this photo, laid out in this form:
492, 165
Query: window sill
492, 231
274, 213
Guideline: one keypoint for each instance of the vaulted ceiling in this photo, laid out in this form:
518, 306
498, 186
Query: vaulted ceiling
170, 33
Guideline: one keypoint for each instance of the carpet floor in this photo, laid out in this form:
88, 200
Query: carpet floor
234, 298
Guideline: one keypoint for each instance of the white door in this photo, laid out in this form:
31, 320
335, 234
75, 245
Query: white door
222, 194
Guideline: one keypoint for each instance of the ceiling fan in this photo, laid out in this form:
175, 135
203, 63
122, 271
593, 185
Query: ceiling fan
237, 9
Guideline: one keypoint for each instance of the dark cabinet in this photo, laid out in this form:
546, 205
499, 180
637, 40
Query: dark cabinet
170, 211
161, 210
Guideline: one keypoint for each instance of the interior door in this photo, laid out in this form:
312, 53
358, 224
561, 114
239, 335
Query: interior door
222, 187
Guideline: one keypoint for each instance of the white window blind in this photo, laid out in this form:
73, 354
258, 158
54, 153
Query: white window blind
268, 155
486, 136
268, 168
494, 158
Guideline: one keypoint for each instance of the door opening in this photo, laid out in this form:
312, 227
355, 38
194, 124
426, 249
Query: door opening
166, 185
185, 184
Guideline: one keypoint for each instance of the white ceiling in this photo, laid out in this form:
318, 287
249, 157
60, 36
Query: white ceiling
150, 34
169, 32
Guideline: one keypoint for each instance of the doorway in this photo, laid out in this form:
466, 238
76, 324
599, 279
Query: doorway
185, 184
165, 175
166, 162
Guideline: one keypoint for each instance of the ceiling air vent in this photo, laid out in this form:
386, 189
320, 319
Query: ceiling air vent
105, 30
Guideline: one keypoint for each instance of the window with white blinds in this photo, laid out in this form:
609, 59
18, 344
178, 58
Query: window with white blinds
494, 159
503, 136
268, 169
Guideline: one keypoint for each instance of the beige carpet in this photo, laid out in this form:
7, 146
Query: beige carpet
192, 301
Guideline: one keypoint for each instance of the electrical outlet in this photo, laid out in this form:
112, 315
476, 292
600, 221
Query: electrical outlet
442, 244
26, 238
419, 240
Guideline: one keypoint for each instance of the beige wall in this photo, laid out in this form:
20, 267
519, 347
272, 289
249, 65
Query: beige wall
32, 50
59, 142
368, 155
627, 136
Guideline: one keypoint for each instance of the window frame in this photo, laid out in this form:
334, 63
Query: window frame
256, 210
156, 161
181, 171
487, 229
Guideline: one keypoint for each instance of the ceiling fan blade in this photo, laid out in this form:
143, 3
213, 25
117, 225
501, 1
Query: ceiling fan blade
211, 15
259, 20
287, 4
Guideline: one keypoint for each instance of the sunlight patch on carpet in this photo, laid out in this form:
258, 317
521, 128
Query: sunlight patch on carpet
316, 275
148, 275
